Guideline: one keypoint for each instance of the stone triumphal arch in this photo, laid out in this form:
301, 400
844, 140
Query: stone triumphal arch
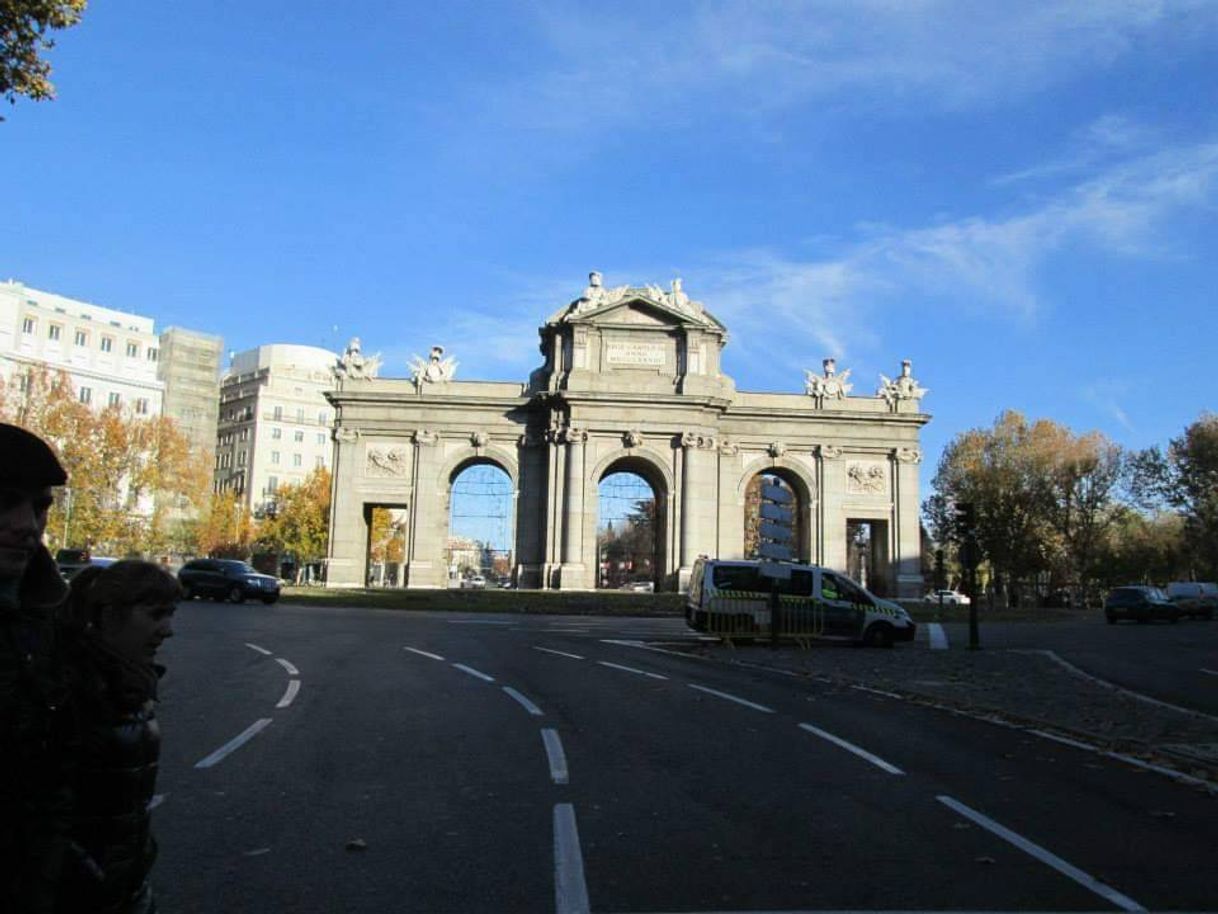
631, 381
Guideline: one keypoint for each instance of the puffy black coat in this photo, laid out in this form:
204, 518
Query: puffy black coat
118, 747
35, 744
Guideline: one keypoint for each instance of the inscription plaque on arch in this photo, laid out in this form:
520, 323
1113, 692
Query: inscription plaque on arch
636, 354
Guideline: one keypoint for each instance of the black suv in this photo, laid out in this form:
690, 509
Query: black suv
1141, 603
226, 579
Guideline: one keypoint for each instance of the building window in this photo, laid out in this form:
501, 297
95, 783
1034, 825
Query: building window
115, 399
278, 413
322, 418
28, 325
107, 343
300, 414
297, 460
241, 458
300, 436
320, 462
274, 457
82, 338
86, 394
276, 434
272, 485
133, 350
321, 437
141, 407
53, 332
243, 435
153, 355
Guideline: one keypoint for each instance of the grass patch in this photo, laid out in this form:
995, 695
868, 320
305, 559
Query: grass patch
530, 602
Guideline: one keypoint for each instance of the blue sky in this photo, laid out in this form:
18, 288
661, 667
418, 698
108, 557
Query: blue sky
1019, 197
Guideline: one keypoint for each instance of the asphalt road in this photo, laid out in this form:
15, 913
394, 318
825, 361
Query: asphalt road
616, 778
1176, 663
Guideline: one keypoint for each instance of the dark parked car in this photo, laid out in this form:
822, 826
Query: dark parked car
227, 579
1140, 603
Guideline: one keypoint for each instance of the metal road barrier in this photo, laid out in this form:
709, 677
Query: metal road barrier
747, 615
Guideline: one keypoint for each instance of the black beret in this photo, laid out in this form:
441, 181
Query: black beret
26, 461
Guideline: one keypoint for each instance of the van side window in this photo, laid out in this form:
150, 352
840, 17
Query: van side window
800, 584
737, 577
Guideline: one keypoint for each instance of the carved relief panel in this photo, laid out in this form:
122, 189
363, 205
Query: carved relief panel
865, 477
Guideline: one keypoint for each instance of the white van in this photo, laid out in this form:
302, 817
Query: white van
732, 599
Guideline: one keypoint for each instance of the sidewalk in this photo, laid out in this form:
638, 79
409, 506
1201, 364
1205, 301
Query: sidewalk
1021, 687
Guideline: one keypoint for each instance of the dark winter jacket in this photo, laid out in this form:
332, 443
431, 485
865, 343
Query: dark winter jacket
112, 848
35, 743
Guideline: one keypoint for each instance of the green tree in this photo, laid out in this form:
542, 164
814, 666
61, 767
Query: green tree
301, 523
25, 27
1185, 478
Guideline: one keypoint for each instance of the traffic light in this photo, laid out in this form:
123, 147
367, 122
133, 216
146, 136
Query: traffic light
964, 516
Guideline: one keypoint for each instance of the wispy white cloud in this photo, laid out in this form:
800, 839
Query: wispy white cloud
1105, 395
603, 66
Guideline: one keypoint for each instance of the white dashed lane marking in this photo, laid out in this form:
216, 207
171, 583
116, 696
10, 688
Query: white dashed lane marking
415, 650
630, 669
471, 671
556, 757
292, 671
850, 747
523, 702
234, 744
730, 697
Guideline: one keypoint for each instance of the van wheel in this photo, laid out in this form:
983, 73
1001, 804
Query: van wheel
237, 595
879, 635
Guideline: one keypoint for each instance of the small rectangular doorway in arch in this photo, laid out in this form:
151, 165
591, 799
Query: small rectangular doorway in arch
867, 558
385, 556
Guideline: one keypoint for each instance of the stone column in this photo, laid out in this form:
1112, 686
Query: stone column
346, 564
907, 533
689, 443
832, 535
426, 554
573, 507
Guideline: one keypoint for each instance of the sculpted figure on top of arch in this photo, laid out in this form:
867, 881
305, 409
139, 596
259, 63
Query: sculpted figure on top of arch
437, 369
903, 388
830, 385
595, 295
355, 365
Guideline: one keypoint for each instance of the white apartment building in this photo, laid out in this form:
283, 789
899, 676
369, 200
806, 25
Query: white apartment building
275, 421
111, 356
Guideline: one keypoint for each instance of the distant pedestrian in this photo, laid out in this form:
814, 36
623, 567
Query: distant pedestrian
34, 738
118, 615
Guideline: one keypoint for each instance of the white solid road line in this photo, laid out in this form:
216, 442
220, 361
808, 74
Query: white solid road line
260, 650
469, 669
850, 747
630, 669
1107, 892
524, 702
480, 622
736, 698
570, 888
1210, 672
938, 636
556, 757
290, 695
234, 744
287, 666
415, 650
550, 650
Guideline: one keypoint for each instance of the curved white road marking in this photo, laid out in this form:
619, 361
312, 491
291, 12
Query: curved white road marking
550, 650
850, 747
1067, 665
1209, 672
157, 800
260, 650
524, 702
415, 650
556, 757
736, 698
469, 669
290, 695
630, 669
234, 744
570, 887
1107, 892
287, 666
